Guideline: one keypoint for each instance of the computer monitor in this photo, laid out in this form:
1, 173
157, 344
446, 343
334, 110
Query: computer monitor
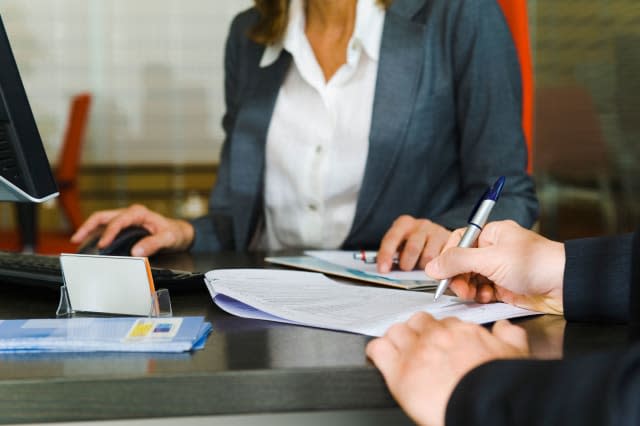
25, 174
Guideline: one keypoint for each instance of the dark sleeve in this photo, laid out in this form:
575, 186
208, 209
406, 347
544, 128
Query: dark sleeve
597, 279
489, 112
599, 389
635, 288
214, 231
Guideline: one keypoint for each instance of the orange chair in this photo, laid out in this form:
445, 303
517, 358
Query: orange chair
515, 12
66, 175
69, 160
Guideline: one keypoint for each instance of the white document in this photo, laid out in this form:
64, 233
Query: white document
312, 299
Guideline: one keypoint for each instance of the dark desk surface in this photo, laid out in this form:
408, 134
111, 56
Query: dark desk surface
247, 366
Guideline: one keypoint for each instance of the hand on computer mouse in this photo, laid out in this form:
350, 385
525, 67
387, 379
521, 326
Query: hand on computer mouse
164, 233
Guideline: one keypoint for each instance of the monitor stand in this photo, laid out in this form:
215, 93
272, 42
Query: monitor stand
27, 222
26, 213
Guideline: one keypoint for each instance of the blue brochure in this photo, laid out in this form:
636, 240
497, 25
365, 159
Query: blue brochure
113, 334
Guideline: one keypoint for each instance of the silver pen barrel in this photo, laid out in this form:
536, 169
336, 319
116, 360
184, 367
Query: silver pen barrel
469, 237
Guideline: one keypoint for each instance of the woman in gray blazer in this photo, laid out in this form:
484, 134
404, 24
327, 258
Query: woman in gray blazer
353, 123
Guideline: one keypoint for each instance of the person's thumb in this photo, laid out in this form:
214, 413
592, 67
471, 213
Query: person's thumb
457, 260
512, 335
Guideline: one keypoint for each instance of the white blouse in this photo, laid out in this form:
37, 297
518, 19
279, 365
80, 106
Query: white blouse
318, 137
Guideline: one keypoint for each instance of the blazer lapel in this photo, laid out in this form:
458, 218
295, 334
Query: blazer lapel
399, 71
248, 148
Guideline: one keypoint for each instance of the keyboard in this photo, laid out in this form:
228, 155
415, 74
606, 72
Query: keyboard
45, 271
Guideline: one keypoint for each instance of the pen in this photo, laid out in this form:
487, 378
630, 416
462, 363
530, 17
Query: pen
477, 220
369, 256
365, 256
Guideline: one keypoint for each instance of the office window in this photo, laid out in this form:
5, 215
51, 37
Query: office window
154, 67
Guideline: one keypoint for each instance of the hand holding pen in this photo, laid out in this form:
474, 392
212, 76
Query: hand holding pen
479, 217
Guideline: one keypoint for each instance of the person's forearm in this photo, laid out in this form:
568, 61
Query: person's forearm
597, 279
597, 389
635, 289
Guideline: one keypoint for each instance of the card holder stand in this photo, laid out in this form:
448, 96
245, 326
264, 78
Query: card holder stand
96, 285
160, 305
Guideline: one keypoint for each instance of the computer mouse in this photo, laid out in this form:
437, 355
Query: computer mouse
121, 244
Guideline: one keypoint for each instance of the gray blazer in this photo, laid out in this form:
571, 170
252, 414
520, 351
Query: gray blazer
446, 123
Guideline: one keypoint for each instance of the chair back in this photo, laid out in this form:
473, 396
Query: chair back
69, 158
569, 139
515, 12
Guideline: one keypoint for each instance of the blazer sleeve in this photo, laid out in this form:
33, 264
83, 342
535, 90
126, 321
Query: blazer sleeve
488, 106
214, 231
600, 388
597, 279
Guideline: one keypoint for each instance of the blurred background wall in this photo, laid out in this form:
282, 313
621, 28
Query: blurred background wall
587, 144
154, 68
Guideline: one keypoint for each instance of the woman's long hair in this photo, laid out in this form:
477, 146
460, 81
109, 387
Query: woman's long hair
274, 16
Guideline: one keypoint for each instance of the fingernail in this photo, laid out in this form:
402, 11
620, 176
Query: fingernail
137, 251
384, 268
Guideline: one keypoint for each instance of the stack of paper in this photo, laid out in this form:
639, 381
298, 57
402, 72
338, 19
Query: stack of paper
312, 299
122, 334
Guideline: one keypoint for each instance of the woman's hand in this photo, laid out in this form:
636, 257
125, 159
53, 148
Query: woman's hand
423, 359
511, 264
416, 241
166, 233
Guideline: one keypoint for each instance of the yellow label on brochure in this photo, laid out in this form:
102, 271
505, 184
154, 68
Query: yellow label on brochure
140, 329
149, 329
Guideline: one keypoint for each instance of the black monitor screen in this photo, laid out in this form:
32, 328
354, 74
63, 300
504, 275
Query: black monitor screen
25, 174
